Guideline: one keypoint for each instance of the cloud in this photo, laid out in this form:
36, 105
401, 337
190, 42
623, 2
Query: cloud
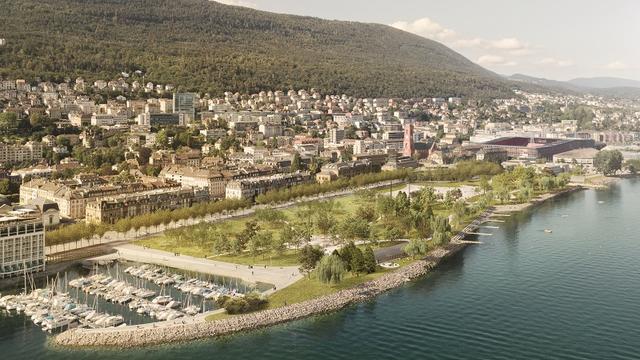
425, 27
511, 45
238, 3
616, 65
508, 44
495, 60
469, 43
556, 62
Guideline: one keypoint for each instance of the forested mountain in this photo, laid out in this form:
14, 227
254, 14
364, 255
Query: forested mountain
579, 86
605, 82
206, 46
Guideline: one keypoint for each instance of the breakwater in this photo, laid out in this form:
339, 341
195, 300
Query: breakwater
160, 333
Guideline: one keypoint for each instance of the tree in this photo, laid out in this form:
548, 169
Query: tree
324, 216
36, 120
296, 163
367, 212
632, 165
249, 232
370, 263
308, 257
416, 248
290, 236
484, 184
9, 123
5, 187
330, 269
346, 254
357, 264
352, 228
608, 162
441, 231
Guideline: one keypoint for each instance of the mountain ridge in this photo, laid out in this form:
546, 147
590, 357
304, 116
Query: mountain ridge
211, 47
604, 82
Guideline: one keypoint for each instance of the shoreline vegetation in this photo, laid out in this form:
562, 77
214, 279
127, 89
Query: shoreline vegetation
155, 334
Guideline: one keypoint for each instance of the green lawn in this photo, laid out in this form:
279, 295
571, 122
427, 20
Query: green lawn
344, 206
310, 287
448, 183
289, 258
171, 244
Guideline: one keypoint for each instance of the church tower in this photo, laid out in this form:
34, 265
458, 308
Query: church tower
407, 149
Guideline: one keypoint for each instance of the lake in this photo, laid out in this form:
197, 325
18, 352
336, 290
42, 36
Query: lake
521, 294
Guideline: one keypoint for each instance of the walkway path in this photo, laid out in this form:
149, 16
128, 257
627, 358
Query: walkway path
280, 277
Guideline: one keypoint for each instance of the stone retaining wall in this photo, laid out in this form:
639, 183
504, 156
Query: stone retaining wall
131, 336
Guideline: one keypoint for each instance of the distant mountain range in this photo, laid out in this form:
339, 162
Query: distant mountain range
605, 83
210, 47
602, 86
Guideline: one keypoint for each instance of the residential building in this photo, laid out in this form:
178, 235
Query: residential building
22, 236
251, 187
110, 209
17, 153
331, 172
73, 196
213, 181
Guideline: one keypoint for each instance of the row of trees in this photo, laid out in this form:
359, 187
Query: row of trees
286, 194
79, 231
464, 170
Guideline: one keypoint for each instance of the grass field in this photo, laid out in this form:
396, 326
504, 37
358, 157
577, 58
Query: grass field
344, 206
310, 287
289, 258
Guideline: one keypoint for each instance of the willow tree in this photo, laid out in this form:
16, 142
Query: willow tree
331, 269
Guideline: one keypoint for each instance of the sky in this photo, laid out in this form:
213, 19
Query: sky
554, 39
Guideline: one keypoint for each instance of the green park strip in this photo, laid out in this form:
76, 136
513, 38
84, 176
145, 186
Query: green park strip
310, 287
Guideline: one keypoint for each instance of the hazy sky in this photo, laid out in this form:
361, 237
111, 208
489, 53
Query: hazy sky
556, 39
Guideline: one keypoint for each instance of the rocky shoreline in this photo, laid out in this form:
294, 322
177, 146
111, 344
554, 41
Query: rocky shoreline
127, 337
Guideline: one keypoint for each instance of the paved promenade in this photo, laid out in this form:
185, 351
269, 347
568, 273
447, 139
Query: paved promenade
280, 277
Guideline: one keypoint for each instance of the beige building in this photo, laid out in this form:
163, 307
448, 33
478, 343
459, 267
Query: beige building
211, 180
251, 187
72, 197
110, 209
16, 153
334, 171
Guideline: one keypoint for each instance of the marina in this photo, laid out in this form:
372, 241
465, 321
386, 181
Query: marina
118, 294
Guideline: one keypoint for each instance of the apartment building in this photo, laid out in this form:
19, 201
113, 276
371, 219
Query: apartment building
251, 187
110, 209
17, 153
21, 241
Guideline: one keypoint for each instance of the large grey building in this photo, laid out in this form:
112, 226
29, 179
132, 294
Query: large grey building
185, 103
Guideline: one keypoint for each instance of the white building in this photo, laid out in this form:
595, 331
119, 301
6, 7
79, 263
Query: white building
21, 241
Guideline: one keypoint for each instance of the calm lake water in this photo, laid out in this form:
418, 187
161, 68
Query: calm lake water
522, 294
